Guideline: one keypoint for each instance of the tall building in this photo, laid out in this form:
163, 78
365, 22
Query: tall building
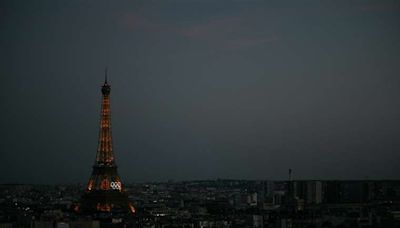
104, 191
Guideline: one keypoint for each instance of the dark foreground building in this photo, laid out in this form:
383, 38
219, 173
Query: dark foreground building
104, 191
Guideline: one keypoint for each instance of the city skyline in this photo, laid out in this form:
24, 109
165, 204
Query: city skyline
201, 89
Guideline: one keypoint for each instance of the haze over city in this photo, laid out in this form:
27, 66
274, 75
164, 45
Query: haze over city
201, 89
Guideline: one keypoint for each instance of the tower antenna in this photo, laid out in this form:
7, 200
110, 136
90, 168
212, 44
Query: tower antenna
105, 75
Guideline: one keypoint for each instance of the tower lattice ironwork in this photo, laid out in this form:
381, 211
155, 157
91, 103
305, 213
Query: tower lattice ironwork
104, 191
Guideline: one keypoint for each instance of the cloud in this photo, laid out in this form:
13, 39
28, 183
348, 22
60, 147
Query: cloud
380, 7
134, 21
229, 32
213, 28
243, 43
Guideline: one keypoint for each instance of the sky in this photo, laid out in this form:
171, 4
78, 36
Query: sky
201, 89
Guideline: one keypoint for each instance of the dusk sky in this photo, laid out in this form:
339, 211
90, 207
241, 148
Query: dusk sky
201, 89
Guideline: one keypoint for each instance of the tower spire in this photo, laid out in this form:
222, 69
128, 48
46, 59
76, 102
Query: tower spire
105, 75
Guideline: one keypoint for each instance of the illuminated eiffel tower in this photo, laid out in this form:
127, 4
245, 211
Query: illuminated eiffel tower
104, 191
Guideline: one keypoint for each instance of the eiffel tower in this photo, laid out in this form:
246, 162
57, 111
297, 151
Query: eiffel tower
104, 191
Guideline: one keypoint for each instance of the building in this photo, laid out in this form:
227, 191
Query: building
104, 191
